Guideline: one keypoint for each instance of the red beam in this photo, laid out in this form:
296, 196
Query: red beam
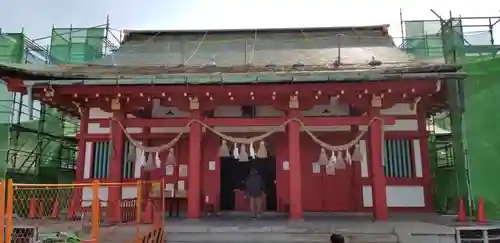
14, 84
262, 121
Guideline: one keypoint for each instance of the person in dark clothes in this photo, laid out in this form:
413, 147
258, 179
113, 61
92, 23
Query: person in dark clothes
335, 238
254, 186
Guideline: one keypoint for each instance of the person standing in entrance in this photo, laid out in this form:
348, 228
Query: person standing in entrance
254, 187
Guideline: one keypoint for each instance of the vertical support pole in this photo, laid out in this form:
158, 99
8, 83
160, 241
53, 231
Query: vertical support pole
82, 134
357, 184
115, 167
9, 210
138, 210
158, 218
96, 211
29, 90
162, 213
194, 166
145, 175
162, 200
82, 150
295, 166
454, 89
2, 211
380, 211
423, 140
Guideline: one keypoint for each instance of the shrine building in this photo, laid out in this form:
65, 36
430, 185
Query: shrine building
334, 119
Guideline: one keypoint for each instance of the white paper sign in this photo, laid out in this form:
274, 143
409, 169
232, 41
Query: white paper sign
181, 186
183, 170
169, 170
330, 169
286, 165
316, 168
211, 165
169, 187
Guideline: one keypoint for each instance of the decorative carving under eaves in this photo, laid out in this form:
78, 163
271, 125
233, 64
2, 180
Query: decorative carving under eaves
294, 102
194, 104
115, 104
376, 101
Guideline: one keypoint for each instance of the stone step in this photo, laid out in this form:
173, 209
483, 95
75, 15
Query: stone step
274, 237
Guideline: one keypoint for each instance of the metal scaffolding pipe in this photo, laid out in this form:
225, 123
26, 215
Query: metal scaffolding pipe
29, 90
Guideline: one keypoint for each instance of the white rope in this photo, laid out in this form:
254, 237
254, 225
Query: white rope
144, 43
197, 48
250, 140
253, 47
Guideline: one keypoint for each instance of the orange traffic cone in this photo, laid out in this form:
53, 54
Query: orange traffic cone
480, 217
32, 208
461, 217
55, 209
148, 213
41, 209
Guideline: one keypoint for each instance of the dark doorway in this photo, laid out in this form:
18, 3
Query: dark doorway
233, 174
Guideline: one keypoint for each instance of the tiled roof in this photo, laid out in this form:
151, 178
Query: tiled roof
317, 47
163, 54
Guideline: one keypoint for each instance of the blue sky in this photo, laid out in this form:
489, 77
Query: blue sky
38, 16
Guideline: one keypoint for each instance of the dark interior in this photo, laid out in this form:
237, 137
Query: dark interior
233, 175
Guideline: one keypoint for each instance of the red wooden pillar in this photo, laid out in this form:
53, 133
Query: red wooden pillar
295, 167
80, 162
145, 175
425, 160
380, 211
357, 183
82, 136
194, 168
116, 167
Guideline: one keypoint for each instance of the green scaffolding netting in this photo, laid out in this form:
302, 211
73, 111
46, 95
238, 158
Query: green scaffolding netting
11, 47
21, 151
424, 38
29, 154
5, 115
70, 45
482, 93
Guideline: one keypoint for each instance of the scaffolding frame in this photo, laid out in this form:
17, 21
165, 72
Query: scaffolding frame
464, 28
453, 45
39, 136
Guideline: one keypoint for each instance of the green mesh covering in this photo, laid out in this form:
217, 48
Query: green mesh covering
30, 152
423, 38
480, 116
95, 43
11, 47
5, 104
60, 50
476, 51
482, 94
25, 155
70, 45
5, 115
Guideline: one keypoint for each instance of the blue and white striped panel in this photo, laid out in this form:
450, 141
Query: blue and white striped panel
102, 156
128, 163
398, 157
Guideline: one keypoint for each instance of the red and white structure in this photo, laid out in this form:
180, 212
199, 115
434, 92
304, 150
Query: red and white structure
393, 174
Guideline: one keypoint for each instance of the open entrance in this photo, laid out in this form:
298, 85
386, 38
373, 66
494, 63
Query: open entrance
233, 175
